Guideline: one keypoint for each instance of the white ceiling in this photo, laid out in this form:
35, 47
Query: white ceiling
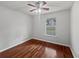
23, 7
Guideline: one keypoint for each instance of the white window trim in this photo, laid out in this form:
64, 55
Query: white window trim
48, 34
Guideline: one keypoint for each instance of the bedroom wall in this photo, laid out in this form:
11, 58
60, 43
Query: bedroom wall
62, 27
75, 28
15, 27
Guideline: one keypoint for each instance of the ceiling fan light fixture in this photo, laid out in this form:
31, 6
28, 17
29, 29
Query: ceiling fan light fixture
38, 11
39, 6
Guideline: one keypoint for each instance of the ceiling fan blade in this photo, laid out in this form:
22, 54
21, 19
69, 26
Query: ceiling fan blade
31, 5
32, 10
45, 8
44, 3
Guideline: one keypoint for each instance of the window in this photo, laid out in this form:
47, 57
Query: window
51, 26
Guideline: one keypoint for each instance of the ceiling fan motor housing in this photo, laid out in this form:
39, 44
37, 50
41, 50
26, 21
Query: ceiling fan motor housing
39, 4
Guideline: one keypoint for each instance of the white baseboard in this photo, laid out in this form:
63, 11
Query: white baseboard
14, 45
51, 42
74, 55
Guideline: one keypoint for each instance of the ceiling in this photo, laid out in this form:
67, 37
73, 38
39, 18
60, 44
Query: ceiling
23, 7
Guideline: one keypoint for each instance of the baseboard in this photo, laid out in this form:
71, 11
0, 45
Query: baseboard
52, 42
74, 55
14, 45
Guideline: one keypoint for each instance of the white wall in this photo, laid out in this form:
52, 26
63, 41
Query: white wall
62, 27
14, 27
75, 28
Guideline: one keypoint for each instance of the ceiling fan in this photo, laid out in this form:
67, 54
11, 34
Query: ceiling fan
38, 5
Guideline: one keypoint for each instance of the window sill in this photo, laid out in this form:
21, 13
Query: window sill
50, 35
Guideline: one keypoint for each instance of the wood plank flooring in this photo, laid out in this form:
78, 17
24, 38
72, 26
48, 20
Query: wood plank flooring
37, 49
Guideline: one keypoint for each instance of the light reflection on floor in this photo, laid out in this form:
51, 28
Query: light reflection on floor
49, 54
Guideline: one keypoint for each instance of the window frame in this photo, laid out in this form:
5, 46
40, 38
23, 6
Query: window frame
46, 30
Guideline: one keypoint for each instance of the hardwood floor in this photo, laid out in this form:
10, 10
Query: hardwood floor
37, 49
